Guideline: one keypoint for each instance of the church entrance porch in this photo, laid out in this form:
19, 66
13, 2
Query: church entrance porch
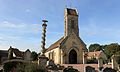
72, 57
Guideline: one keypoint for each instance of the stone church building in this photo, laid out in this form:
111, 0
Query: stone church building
69, 48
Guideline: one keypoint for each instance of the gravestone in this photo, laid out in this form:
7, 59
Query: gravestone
51, 63
109, 70
42, 60
70, 69
90, 69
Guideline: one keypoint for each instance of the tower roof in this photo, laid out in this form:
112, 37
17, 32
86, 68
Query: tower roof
71, 11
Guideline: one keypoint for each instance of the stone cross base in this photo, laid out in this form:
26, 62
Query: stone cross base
42, 61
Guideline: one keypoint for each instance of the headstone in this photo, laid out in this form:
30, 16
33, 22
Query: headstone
42, 61
70, 69
51, 63
109, 70
90, 69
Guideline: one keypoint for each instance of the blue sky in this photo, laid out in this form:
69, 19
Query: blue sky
21, 20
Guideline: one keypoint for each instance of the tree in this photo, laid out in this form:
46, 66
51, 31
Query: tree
34, 55
113, 48
110, 49
95, 47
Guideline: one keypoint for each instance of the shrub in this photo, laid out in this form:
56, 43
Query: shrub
9, 66
29, 67
22, 67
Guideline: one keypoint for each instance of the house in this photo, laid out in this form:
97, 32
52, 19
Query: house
96, 55
17, 54
27, 55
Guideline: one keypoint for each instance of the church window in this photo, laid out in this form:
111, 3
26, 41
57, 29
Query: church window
49, 55
53, 55
72, 24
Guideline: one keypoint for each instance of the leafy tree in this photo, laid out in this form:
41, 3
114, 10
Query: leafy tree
34, 55
111, 49
95, 47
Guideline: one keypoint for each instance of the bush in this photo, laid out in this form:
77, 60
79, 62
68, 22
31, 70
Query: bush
29, 68
9, 66
22, 67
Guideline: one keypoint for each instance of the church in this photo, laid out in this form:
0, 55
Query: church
68, 49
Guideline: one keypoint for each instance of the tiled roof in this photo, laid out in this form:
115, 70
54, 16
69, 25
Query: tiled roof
27, 50
71, 11
56, 44
95, 54
17, 52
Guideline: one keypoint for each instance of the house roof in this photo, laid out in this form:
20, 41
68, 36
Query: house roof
56, 44
71, 11
27, 50
17, 52
94, 54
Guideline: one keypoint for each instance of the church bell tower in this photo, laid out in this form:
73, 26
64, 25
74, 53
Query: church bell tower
71, 22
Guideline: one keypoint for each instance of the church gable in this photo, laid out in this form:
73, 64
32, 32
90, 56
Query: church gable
73, 41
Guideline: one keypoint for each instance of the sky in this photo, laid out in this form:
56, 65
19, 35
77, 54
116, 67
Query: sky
21, 22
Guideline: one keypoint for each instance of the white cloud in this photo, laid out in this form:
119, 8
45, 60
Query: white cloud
4, 47
1, 38
6, 24
21, 27
17, 33
27, 10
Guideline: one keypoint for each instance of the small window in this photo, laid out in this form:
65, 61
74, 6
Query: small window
49, 55
72, 24
53, 55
